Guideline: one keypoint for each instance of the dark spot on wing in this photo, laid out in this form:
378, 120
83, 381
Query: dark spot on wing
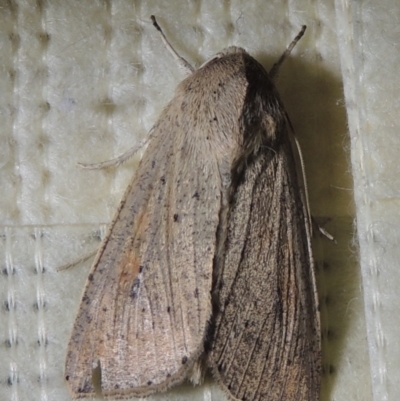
135, 288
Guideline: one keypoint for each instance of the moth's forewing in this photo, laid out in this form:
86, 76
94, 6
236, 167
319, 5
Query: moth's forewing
146, 307
266, 341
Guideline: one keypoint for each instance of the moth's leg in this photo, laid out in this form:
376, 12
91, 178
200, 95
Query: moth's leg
117, 161
85, 257
274, 70
182, 63
311, 221
322, 230
77, 261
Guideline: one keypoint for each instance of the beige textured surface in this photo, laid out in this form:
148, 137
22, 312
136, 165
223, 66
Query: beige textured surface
370, 58
83, 81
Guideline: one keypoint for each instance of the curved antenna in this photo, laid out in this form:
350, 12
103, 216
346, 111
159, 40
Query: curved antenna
274, 70
182, 63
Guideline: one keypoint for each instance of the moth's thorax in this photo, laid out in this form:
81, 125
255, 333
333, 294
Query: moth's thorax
229, 101
208, 105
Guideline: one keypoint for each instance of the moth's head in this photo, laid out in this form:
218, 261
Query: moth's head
226, 52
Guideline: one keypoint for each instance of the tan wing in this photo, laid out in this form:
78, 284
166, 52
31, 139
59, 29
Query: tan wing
147, 302
267, 337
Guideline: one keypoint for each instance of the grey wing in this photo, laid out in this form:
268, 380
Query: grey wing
147, 303
266, 343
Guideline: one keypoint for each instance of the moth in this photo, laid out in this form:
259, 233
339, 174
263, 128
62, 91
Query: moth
208, 258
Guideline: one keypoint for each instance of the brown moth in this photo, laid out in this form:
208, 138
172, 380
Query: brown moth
210, 247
